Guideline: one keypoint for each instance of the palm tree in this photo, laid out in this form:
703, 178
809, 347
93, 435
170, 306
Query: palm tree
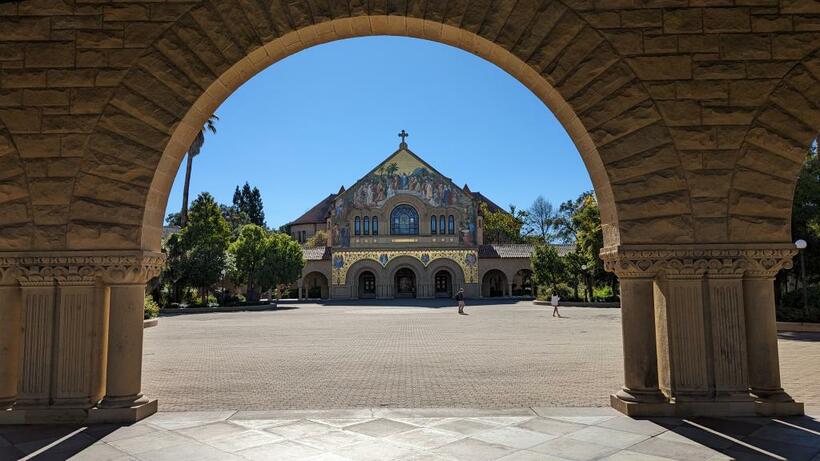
193, 151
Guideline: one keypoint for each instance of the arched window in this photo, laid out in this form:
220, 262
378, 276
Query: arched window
433, 221
404, 220
366, 225
451, 225
357, 226
442, 225
375, 225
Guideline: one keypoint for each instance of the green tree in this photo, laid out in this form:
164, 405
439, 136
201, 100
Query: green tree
500, 226
248, 253
235, 218
249, 201
193, 151
282, 264
173, 275
205, 240
548, 267
806, 212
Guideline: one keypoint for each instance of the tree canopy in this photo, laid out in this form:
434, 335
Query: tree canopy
502, 227
249, 201
204, 241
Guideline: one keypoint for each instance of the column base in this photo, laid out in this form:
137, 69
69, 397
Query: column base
77, 415
706, 408
632, 395
123, 402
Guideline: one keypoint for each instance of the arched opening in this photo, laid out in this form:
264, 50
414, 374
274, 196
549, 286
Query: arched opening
443, 284
115, 200
367, 285
405, 283
404, 220
494, 284
522, 283
315, 286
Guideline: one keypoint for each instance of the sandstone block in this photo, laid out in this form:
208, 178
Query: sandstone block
757, 229
662, 67
21, 120
95, 187
659, 44
773, 23
794, 46
38, 145
709, 207
719, 70
709, 183
14, 213
89, 100
135, 130
638, 166
46, 7
73, 145
22, 78
51, 191
670, 203
69, 123
50, 214
50, 55
71, 78
750, 93
45, 97
696, 138
731, 137
99, 39
680, 113
702, 90
711, 230
777, 144
755, 158
90, 236
125, 12
656, 182
13, 188
768, 69
109, 166
642, 18
682, 21
788, 126
11, 98
17, 237
24, 29
807, 23
102, 211
142, 34
698, 44
718, 115
676, 229
726, 20
627, 42
762, 183
800, 6
745, 46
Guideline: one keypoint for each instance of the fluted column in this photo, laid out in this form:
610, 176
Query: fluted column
125, 333
10, 336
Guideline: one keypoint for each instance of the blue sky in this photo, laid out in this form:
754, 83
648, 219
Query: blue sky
324, 117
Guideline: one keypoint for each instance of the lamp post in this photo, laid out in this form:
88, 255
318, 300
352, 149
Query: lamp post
801, 246
586, 282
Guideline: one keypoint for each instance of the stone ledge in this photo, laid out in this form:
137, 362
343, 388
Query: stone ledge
78, 415
717, 409
148, 323
798, 327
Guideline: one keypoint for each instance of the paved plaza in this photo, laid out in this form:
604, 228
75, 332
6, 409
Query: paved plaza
355, 382
513, 355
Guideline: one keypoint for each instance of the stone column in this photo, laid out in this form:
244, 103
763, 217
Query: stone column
638, 329
761, 323
124, 377
727, 331
127, 285
11, 326
638, 332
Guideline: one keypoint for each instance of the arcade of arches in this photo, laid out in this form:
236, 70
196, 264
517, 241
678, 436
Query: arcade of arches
692, 122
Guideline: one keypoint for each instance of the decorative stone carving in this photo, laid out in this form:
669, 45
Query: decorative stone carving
67, 269
344, 260
697, 261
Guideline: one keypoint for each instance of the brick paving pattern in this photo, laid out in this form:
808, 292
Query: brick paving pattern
324, 357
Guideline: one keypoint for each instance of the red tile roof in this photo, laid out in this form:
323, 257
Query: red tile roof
518, 250
317, 214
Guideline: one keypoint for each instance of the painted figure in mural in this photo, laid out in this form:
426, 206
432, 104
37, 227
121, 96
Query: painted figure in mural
345, 236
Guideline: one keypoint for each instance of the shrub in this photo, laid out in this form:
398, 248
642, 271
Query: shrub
562, 290
791, 306
602, 293
151, 308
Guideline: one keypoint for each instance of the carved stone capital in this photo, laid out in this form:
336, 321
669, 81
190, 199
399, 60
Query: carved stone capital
696, 261
45, 269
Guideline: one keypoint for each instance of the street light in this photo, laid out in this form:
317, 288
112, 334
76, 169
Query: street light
586, 282
801, 247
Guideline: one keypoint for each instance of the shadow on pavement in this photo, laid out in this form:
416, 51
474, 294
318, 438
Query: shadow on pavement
49, 442
799, 336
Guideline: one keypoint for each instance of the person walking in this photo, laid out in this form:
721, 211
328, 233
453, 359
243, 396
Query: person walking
460, 299
554, 302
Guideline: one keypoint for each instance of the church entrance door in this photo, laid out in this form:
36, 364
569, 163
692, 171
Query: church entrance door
405, 283
367, 285
444, 286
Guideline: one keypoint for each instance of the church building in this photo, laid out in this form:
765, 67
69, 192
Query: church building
404, 230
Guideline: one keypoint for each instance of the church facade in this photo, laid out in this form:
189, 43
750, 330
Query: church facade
404, 230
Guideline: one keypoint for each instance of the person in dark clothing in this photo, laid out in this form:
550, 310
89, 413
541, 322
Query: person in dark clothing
460, 299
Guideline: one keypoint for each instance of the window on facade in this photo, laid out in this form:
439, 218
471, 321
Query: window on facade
404, 220
375, 225
366, 225
357, 226
433, 221
304, 236
451, 225
442, 225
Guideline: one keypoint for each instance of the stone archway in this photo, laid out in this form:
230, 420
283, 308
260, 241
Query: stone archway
315, 286
690, 125
494, 284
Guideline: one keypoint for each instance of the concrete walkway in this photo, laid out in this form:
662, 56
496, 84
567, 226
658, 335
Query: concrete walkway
529, 434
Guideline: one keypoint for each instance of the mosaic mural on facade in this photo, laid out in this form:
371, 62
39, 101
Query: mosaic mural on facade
467, 260
401, 174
